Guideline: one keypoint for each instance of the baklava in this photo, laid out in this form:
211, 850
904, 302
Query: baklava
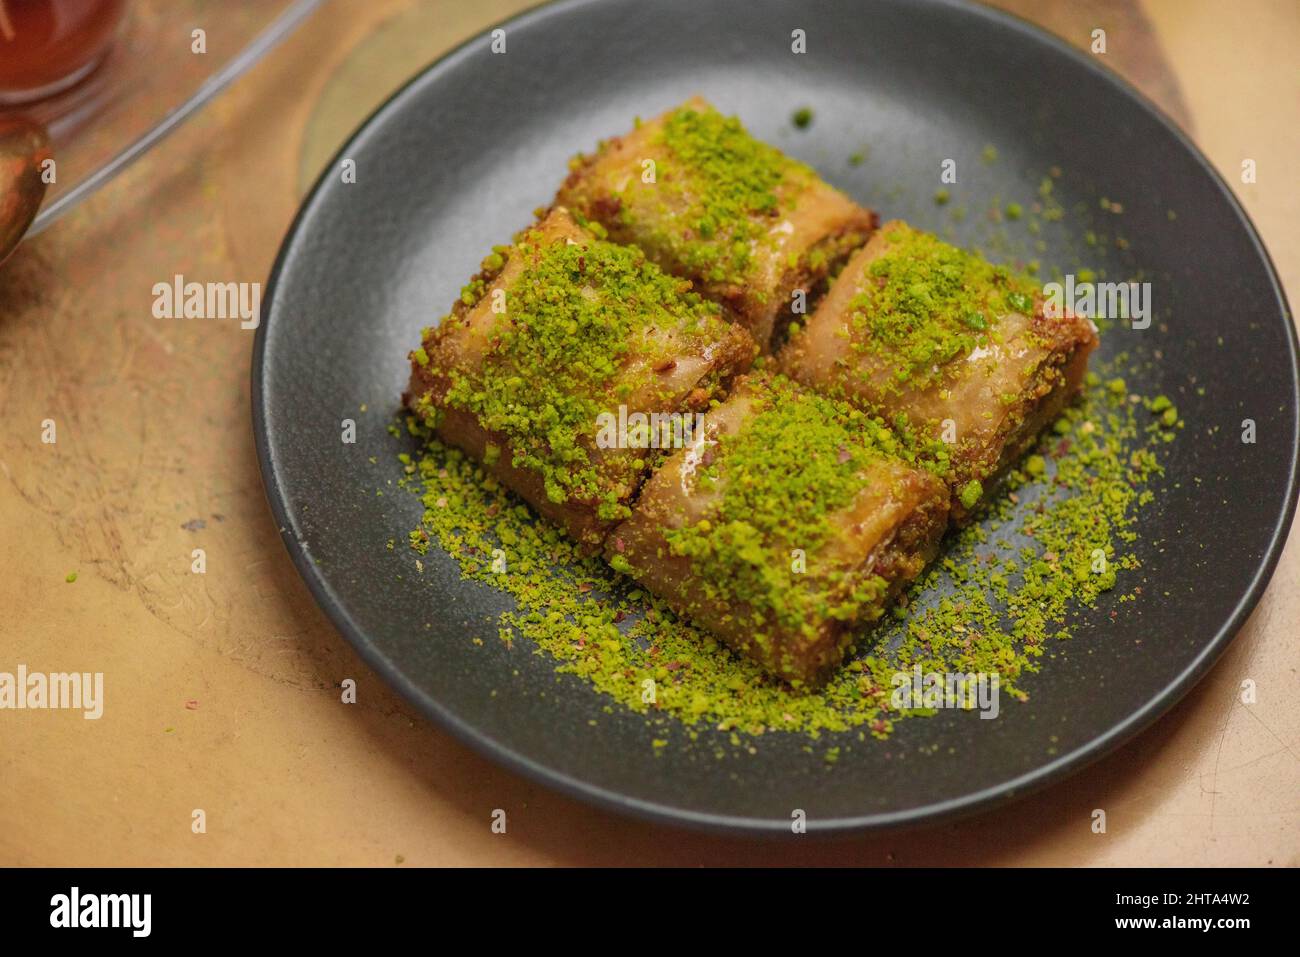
752, 228
938, 340
790, 523
559, 335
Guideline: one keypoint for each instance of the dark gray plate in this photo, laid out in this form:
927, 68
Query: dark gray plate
458, 159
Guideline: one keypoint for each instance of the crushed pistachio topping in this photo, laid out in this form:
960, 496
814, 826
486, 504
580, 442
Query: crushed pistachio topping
731, 185
559, 355
924, 303
969, 494
797, 459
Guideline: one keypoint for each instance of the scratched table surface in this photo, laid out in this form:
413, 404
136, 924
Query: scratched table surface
222, 689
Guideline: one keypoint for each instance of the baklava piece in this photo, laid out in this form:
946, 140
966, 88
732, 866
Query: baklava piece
916, 328
705, 200
790, 523
560, 335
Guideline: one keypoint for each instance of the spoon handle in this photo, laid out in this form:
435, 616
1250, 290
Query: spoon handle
280, 28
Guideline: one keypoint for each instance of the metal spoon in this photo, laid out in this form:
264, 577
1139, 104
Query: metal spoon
24, 146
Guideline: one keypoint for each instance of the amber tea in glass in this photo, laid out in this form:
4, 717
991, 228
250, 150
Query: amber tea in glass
46, 46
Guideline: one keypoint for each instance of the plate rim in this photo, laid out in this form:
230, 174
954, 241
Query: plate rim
926, 813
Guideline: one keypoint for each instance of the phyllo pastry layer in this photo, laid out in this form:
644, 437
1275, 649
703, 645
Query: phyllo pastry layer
705, 200
559, 335
788, 524
916, 327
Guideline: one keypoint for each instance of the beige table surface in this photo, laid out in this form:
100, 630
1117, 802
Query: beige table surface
221, 688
